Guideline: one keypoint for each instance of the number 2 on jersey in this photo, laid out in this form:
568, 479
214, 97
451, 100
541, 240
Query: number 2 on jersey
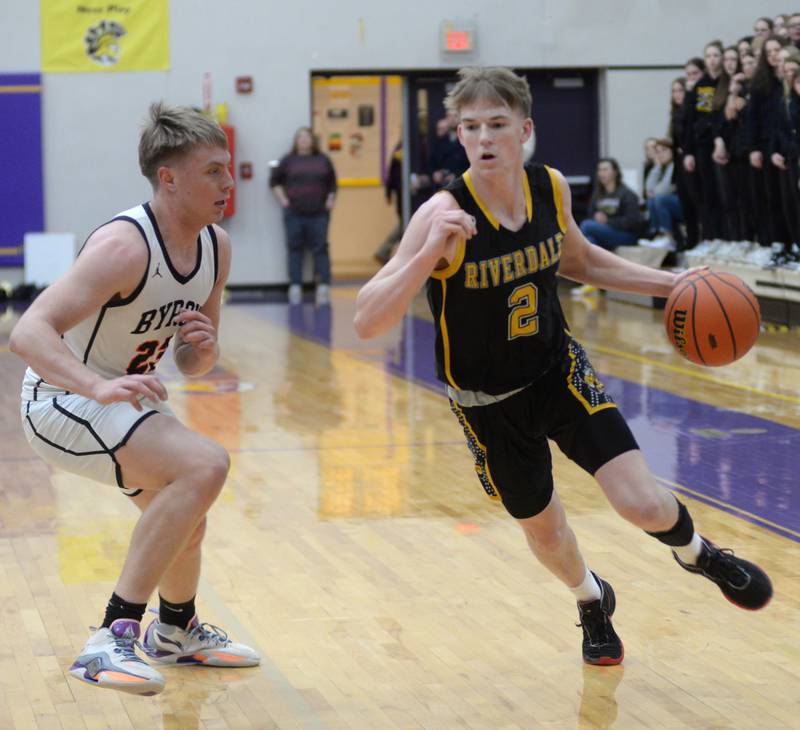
523, 320
149, 353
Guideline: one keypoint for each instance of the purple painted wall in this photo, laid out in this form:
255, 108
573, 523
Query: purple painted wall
21, 190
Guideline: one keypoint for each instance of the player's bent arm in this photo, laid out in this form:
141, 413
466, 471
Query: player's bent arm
112, 263
196, 342
586, 263
384, 299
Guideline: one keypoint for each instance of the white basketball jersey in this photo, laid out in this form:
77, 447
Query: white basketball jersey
131, 335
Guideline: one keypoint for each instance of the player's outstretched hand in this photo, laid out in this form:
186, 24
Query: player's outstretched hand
448, 223
683, 275
197, 329
131, 388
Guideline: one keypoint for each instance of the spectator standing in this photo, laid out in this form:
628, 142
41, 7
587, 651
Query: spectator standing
766, 92
686, 181
737, 196
743, 45
786, 155
725, 170
704, 104
793, 26
448, 159
393, 185
763, 27
304, 182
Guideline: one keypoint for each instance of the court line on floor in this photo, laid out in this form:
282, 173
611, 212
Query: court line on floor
756, 519
736, 511
690, 373
278, 681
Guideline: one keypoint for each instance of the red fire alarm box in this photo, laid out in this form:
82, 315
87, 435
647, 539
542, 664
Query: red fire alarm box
244, 84
245, 170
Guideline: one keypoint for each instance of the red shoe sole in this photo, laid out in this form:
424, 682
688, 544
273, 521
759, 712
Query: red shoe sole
606, 661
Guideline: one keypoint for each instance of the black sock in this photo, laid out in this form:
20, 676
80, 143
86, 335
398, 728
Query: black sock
681, 533
176, 614
120, 608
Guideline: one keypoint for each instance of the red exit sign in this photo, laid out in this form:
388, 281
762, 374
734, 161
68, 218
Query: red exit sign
457, 37
459, 40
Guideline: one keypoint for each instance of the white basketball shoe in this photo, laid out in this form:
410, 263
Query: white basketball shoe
109, 660
197, 644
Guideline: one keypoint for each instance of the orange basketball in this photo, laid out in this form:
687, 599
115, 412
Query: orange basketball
712, 319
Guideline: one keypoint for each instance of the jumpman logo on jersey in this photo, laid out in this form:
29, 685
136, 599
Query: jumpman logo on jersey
157, 272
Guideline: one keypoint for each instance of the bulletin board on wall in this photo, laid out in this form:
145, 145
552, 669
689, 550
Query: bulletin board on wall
351, 120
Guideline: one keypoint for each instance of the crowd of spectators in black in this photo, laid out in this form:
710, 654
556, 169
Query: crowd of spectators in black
734, 129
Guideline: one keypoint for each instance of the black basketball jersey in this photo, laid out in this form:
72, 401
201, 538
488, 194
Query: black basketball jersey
499, 324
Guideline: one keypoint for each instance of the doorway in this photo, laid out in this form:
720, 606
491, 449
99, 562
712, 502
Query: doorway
359, 121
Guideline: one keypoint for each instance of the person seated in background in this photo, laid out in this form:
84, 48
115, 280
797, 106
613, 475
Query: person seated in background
614, 215
663, 205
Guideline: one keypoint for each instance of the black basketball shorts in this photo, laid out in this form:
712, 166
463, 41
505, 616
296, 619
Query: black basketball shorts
509, 439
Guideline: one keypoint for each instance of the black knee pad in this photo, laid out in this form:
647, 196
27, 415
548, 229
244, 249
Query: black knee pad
681, 533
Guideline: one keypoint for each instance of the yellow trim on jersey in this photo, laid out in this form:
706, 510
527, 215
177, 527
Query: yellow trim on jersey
585, 403
557, 199
486, 212
455, 264
496, 495
446, 338
526, 185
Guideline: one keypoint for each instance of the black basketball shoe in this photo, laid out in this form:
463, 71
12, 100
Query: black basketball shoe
741, 582
601, 645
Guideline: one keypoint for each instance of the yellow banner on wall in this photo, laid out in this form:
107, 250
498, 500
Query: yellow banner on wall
95, 36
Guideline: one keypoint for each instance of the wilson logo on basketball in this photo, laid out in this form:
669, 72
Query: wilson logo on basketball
679, 330
102, 42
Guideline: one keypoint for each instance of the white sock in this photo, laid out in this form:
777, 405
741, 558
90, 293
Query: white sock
588, 590
691, 552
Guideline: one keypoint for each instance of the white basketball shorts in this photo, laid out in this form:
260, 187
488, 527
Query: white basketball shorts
82, 436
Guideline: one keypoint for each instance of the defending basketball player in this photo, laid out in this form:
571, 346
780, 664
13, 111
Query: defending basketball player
91, 403
489, 248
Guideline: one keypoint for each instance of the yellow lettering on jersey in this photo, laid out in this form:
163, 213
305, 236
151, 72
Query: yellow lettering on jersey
484, 277
559, 237
494, 268
508, 274
553, 251
533, 259
705, 98
519, 264
544, 257
471, 275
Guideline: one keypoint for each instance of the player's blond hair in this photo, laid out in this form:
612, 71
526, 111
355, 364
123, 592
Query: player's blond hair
171, 132
490, 83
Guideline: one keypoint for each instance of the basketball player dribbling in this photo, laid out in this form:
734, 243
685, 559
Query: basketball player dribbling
489, 248
92, 404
